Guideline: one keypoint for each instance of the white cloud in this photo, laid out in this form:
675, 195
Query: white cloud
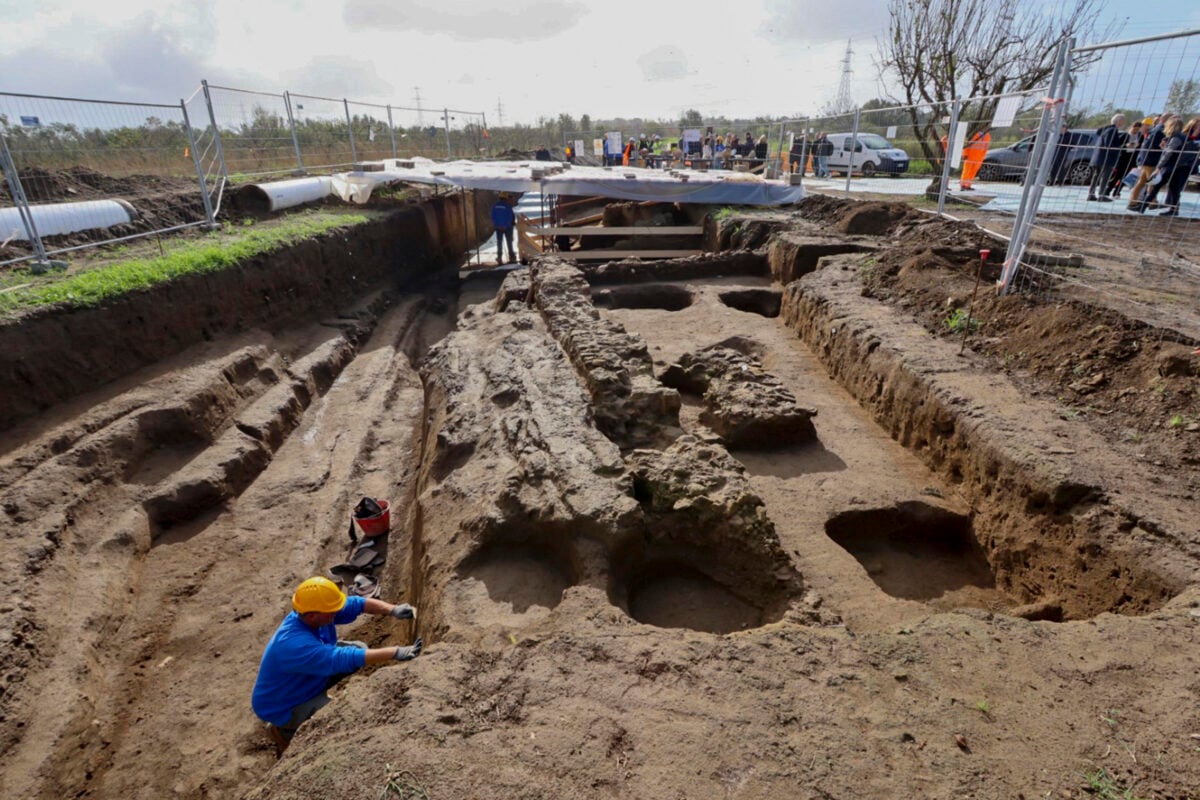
786, 21
664, 63
332, 76
470, 20
756, 57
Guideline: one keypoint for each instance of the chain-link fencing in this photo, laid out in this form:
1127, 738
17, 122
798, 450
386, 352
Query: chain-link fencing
1112, 214
79, 173
922, 154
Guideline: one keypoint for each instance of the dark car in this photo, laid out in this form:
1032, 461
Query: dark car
1010, 163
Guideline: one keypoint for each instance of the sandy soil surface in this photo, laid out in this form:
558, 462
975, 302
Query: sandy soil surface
1141, 267
896, 647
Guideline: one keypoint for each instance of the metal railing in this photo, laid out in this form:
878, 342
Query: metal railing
101, 172
1109, 186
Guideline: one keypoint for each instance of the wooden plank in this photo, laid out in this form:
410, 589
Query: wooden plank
585, 220
635, 230
611, 255
587, 201
527, 247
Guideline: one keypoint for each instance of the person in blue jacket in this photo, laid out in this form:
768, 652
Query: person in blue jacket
504, 220
304, 658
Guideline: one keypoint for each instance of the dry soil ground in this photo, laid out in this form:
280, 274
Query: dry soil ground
914, 653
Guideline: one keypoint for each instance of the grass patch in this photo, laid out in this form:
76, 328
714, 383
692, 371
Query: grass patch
959, 320
211, 253
1105, 787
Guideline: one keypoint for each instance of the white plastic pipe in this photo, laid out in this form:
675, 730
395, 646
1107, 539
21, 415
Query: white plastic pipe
59, 218
285, 194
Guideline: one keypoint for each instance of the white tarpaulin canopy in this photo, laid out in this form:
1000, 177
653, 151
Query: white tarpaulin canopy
551, 177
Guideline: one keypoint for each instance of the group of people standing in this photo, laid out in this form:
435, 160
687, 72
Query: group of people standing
1163, 148
719, 151
819, 148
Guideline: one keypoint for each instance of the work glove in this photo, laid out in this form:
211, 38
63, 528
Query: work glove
410, 652
403, 611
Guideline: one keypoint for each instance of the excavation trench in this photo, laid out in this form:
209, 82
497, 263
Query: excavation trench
551, 485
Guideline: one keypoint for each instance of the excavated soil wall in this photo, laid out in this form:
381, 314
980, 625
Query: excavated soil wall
55, 354
1052, 532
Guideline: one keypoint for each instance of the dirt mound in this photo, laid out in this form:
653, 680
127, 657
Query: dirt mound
821, 207
874, 219
82, 183
1132, 382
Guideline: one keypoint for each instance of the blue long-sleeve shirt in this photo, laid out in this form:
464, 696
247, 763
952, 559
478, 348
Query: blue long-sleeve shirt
502, 215
299, 661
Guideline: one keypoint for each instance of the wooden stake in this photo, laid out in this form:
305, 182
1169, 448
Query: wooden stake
983, 254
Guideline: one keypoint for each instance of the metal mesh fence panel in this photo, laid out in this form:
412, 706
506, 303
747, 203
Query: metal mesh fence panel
904, 152
91, 172
324, 132
372, 131
467, 134
255, 135
1118, 216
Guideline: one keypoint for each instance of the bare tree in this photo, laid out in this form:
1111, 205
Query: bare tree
1184, 96
938, 51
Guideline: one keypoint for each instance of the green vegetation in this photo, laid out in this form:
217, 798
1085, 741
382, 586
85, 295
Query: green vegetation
1105, 787
1176, 421
210, 253
984, 707
959, 320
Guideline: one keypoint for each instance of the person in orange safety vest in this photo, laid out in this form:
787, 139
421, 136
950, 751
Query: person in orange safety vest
972, 157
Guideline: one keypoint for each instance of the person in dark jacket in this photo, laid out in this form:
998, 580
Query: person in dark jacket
822, 150
1147, 159
1110, 140
760, 152
1175, 167
798, 154
1185, 165
747, 146
1058, 167
1133, 142
503, 219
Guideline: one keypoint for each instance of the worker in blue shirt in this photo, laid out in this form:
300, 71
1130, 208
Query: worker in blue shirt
504, 220
304, 658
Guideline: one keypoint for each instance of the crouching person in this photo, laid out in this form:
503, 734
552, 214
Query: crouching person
304, 658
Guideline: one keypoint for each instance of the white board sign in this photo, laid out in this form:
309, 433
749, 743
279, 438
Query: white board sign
891, 132
615, 145
598, 148
956, 145
577, 146
1006, 111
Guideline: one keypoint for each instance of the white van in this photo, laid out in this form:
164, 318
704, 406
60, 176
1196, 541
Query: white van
873, 154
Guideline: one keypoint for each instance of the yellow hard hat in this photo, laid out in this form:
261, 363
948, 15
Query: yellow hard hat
1148, 121
318, 594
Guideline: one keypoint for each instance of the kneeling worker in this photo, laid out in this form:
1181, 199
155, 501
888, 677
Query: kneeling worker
304, 658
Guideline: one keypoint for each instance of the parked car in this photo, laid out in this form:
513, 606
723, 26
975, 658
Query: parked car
1011, 162
872, 153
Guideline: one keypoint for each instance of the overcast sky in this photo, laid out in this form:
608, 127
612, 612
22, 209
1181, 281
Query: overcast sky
535, 57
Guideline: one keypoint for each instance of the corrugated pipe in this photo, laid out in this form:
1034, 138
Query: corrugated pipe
279, 195
58, 218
